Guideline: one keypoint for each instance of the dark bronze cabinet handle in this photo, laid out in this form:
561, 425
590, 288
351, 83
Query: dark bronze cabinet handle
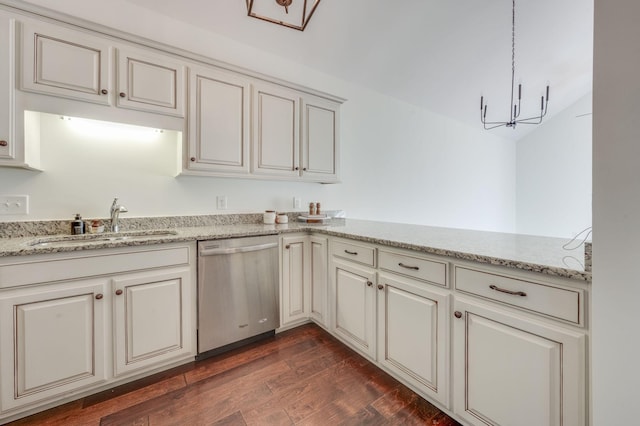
369, 283
380, 287
104, 91
123, 95
502, 290
304, 169
99, 296
402, 265
118, 292
193, 158
457, 314
4, 143
296, 168
354, 253
288, 246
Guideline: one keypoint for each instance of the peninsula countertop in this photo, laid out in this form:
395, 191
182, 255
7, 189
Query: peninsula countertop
525, 252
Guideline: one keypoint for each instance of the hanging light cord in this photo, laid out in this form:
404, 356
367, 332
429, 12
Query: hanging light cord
514, 112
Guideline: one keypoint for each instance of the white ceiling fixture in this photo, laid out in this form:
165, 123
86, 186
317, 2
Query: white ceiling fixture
293, 14
514, 110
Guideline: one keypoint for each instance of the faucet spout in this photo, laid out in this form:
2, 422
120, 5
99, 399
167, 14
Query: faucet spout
115, 211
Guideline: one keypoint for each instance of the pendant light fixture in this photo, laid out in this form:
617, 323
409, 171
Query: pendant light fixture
514, 110
289, 13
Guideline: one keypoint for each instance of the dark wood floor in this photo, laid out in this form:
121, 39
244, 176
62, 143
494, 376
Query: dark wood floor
303, 377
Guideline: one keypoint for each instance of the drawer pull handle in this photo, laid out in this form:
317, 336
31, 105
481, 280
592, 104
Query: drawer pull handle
402, 265
502, 290
354, 253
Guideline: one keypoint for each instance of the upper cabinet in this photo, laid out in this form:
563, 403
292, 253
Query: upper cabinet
235, 122
295, 134
7, 148
64, 62
219, 131
320, 139
77, 65
150, 82
276, 131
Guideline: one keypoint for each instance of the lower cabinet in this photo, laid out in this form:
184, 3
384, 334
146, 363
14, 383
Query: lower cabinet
149, 320
53, 340
318, 279
294, 300
59, 339
354, 306
413, 324
303, 292
512, 370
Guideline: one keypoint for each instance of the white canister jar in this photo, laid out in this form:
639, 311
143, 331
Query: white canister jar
282, 218
269, 217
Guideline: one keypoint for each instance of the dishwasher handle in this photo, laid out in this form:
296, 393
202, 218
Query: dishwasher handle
244, 249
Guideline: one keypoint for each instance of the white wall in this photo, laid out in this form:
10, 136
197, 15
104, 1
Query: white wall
553, 174
399, 163
616, 211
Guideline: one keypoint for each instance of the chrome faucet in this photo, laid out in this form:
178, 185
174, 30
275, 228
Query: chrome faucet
116, 209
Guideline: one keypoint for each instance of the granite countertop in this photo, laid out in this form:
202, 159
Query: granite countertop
538, 254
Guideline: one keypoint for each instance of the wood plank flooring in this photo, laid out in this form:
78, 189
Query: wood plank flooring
303, 376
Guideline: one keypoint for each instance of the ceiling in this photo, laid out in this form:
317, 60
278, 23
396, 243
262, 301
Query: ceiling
440, 55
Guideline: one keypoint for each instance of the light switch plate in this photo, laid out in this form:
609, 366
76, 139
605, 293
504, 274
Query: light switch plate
14, 204
297, 204
221, 202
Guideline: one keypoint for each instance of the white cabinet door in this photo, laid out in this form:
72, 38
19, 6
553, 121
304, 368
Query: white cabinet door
413, 336
354, 306
152, 319
294, 305
7, 141
218, 122
64, 62
509, 370
318, 279
150, 82
320, 139
52, 340
276, 131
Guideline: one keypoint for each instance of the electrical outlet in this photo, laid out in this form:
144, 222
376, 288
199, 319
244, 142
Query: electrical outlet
297, 203
221, 202
14, 204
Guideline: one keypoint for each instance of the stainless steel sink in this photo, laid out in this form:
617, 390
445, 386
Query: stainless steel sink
97, 238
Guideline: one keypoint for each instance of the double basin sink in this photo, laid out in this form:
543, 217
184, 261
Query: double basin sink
99, 238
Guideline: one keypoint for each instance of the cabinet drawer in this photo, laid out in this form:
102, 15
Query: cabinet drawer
354, 252
415, 267
561, 303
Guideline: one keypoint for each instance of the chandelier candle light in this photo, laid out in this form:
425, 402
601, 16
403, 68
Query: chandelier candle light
514, 113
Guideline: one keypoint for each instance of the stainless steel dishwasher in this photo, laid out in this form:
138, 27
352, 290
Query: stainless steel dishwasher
237, 292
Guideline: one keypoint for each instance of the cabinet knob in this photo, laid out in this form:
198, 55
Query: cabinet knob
104, 91
123, 95
380, 287
4, 143
193, 158
118, 292
296, 168
304, 169
99, 296
288, 246
457, 314
369, 283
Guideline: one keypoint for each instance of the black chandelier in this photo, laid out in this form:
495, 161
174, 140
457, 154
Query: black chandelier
514, 113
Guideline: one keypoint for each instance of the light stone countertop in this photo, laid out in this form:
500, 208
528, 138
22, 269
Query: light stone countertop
531, 253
